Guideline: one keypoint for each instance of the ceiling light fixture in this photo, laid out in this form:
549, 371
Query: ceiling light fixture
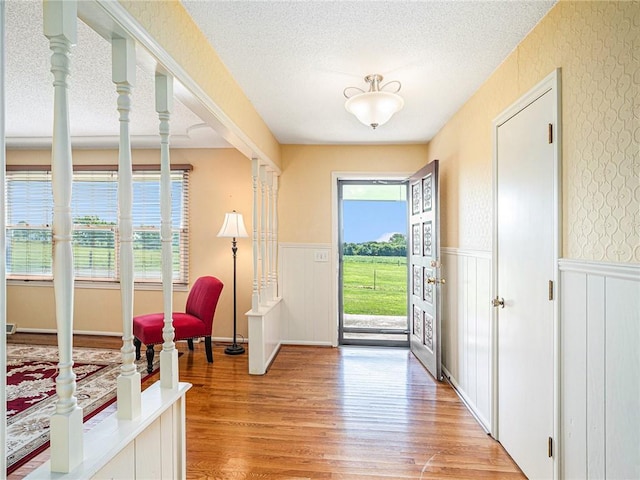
375, 107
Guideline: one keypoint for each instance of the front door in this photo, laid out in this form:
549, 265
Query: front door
372, 217
424, 268
525, 231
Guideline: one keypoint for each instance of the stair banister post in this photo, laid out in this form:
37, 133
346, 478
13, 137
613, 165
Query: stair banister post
123, 75
263, 235
169, 354
274, 263
255, 294
60, 27
3, 278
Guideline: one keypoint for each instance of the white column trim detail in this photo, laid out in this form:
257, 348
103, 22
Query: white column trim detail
60, 27
128, 383
255, 293
3, 275
168, 354
274, 262
269, 243
263, 235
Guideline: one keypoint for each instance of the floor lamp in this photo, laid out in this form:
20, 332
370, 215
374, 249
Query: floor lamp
233, 227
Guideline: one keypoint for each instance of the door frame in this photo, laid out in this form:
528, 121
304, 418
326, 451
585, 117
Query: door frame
340, 220
551, 82
335, 260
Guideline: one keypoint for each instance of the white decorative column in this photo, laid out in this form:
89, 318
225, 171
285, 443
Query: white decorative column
274, 233
270, 288
255, 294
169, 354
263, 235
60, 26
3, 275
123, 75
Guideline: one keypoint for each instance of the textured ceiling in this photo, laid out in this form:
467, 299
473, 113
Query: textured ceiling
92, 94
293, 59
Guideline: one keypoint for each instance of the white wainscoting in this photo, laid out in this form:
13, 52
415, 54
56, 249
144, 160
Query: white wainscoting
265, 336
150, 446
466, 333
308, 309
600, 370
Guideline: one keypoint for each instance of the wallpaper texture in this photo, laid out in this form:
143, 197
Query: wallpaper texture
597, 45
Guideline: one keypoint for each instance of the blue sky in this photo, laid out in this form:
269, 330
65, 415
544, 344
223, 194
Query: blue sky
372, 220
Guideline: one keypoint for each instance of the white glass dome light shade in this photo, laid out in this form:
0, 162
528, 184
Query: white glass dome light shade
374, 108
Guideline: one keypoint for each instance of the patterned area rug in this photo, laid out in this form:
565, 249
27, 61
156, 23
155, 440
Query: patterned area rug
31, 392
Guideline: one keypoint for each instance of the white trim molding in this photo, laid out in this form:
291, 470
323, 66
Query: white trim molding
625, 271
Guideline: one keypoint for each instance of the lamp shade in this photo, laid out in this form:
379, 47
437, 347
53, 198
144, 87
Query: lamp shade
374, 108
233, 226
377, 106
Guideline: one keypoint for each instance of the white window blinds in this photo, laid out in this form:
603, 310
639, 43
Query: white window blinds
95, 231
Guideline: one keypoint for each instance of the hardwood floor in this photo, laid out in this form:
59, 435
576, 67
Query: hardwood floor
325, 413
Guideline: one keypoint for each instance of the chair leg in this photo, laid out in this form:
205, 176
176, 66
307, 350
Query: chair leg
190, 343
150, 354
138, 344
207, 348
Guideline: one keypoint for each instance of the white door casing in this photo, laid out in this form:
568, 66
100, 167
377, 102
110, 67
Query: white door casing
526, 251
425, 282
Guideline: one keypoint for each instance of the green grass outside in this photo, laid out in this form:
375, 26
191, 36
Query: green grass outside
38, 256
374, 285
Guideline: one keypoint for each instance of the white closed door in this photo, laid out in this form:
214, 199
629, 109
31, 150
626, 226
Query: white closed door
525, 266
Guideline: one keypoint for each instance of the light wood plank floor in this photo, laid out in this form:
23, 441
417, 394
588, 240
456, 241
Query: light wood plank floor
323, 413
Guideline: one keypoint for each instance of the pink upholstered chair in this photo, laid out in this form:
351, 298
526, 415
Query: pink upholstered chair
196, 322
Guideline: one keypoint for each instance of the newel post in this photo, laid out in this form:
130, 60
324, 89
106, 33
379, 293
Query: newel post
60, 26
123, 75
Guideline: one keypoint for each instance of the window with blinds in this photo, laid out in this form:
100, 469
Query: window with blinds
94, 208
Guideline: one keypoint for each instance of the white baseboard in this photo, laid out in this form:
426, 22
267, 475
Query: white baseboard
467, 402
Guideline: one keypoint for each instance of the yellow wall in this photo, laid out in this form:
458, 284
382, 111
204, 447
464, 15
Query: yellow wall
220, 182
304, 201
593, 43
171, 26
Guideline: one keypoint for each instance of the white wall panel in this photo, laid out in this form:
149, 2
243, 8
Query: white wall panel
466, 321
600, 361
622, 378
573, 340
308, 312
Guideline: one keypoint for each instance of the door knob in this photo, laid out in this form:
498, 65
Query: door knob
498, 302
435, 280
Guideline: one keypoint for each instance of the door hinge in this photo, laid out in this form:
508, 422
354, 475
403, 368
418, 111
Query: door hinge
550, 133
550, 447
550, 289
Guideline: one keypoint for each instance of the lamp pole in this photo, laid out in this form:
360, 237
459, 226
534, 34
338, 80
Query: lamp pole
234, 349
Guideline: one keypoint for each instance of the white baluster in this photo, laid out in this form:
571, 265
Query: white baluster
169, 354
60, 24
274, 263
3, 276
263, 235
255, 295
269, 182
124, 73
